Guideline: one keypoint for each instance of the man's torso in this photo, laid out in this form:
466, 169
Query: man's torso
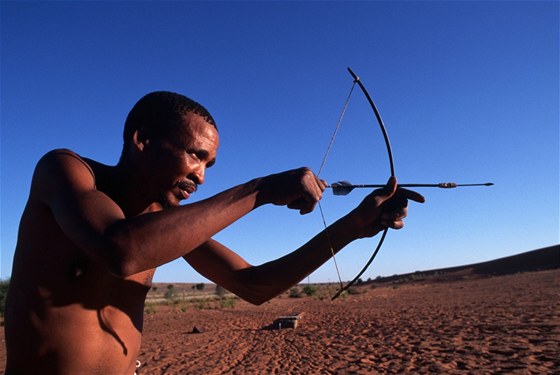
66, 313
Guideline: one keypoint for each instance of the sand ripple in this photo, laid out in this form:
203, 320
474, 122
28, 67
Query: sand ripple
507, 324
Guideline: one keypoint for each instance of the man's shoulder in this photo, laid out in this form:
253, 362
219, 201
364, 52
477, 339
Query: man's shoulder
63, 156
58, 153
62, 163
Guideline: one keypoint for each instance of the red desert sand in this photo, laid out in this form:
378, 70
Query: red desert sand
454, 322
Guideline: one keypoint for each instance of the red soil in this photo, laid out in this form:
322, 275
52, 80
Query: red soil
462, 322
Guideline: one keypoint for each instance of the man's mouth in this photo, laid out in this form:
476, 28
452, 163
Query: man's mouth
187, 187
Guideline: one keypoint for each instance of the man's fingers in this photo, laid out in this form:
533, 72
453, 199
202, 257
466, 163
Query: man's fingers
393, 188
313, 193
396, 207
399, 224
412, 195
394, 219
304, 205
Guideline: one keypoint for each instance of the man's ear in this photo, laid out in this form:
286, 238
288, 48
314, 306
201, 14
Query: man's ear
140, 139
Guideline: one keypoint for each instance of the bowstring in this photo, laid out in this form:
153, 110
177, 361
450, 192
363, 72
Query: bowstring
336, 129
319, 173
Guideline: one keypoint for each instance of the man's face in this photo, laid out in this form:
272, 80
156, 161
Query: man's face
179, 161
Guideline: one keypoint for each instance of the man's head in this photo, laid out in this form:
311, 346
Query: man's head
169, 142
161, 112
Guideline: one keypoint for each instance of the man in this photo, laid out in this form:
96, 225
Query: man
91, 237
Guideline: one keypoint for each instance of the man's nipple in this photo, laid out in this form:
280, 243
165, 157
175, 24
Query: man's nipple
77, 272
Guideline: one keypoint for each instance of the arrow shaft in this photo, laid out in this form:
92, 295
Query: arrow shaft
442, 185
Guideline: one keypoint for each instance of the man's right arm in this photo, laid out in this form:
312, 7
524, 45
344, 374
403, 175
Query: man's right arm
96, 224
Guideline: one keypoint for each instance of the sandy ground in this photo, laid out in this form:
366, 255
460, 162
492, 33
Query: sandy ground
506, 324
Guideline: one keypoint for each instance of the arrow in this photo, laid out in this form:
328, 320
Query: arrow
345, 187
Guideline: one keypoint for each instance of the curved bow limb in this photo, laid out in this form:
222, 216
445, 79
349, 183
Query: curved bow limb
392, 170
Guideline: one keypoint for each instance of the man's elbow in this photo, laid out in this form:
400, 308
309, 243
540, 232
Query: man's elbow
120, 259
256, 295
255, 300
121, 266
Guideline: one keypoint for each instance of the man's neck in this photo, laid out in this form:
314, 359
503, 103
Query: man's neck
122, 185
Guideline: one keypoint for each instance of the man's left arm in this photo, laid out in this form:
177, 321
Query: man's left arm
384, 208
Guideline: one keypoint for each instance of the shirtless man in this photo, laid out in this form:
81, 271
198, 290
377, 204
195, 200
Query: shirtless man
92, 235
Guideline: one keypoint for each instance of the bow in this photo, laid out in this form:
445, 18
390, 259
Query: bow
345, 187
391, 167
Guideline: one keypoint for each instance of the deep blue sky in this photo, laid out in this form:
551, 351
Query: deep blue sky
468, 92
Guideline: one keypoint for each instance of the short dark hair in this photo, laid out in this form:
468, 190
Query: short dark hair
161, 111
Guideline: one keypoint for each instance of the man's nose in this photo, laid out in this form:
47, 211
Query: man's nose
199, 173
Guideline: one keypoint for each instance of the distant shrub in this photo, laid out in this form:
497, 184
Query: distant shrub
170, 293
309, 290
220, 291
3, 291
295, 293
228, 302
150, 309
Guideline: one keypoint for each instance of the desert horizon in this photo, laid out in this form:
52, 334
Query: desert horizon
533, 260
